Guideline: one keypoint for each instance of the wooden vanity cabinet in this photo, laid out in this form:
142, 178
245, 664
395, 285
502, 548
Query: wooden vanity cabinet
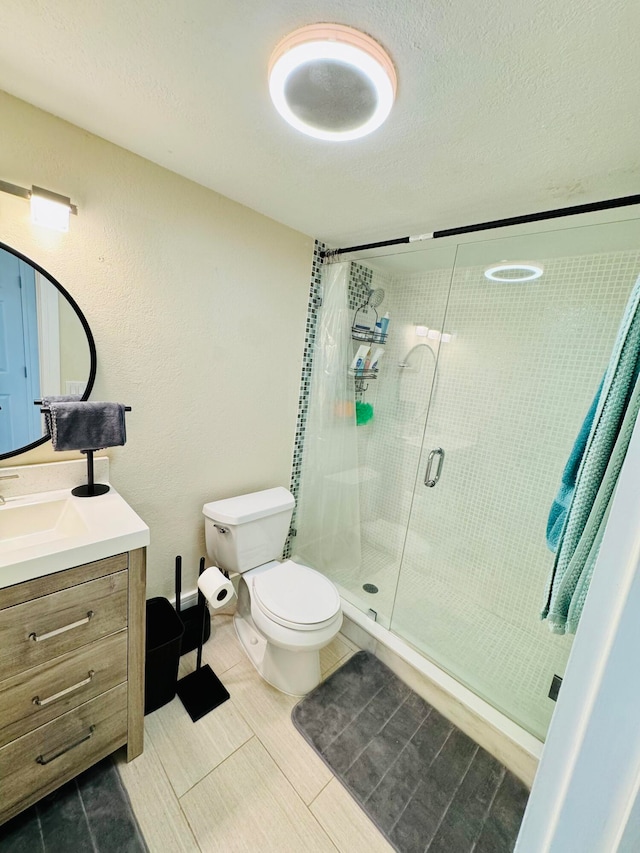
71, 674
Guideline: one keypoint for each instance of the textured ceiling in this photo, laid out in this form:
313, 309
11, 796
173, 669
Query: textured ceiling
503, 107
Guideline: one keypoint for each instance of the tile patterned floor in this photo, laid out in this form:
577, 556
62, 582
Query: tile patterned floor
242, 778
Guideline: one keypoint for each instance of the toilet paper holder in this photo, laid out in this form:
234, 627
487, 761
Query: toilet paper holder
201, 691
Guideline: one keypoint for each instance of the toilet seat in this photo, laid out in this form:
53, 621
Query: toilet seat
296, 596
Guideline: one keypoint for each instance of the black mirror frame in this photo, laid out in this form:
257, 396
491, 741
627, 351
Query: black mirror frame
85, 326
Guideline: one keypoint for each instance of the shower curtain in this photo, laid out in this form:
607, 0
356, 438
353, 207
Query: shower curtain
328, 516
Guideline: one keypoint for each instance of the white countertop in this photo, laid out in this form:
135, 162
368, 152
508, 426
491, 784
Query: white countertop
104, 526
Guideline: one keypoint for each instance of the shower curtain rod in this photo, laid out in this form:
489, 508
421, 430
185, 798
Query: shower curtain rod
608, 204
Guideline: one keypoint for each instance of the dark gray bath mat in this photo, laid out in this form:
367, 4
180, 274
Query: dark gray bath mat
425, 784
90, 814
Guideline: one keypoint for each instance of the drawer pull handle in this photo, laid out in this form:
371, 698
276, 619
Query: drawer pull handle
42, 760
39, 637
41, 702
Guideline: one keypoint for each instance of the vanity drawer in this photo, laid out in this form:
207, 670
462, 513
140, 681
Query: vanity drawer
40, 761
44, 692
44, 628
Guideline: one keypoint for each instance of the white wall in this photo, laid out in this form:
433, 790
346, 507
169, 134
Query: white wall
198, 308
75, 358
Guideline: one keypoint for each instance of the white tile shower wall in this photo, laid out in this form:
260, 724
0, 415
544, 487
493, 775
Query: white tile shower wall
512, 389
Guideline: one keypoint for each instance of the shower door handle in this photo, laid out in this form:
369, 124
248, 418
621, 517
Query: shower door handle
428, 480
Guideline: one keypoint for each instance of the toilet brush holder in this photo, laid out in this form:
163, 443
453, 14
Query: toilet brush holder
190, 617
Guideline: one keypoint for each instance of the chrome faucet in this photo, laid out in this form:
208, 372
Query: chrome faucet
7, 477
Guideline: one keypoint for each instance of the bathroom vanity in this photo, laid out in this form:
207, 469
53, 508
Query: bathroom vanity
72, 609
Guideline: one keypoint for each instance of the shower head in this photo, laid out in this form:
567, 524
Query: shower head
375, 297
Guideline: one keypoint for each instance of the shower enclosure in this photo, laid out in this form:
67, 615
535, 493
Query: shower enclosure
481, 392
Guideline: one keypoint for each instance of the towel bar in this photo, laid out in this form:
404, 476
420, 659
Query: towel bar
46, 411
91, 489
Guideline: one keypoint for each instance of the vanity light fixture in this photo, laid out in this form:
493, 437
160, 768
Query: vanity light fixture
47, 208
332, 82
514, 272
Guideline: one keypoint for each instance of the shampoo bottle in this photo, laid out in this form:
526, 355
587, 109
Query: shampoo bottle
375, 358
384, 324
358, 362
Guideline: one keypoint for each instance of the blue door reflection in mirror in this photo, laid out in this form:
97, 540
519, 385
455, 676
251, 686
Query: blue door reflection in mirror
46, 349
20, 421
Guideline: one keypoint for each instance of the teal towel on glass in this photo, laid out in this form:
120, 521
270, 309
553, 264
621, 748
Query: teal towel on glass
606, 446
562, 502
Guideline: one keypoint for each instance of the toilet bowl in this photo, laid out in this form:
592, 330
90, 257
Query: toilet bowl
286, 611
281, 632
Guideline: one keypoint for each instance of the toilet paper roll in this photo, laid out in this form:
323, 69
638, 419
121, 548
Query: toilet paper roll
216, 588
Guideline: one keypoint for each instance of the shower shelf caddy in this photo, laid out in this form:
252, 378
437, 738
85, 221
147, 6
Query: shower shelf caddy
360, 376
367, 336
364, 374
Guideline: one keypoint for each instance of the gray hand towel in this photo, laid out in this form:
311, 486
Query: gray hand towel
87, 425
47, 401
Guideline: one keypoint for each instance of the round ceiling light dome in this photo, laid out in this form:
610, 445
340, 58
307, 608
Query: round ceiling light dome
332, 82
514, 271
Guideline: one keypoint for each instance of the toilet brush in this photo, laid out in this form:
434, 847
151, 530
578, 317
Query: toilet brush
190, 617
201, 691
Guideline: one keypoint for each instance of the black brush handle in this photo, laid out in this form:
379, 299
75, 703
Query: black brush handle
178, 584
203, 607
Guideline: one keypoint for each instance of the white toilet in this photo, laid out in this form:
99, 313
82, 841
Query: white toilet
286, 612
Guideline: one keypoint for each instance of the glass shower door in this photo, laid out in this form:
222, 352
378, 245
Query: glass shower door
519, 362
416, 289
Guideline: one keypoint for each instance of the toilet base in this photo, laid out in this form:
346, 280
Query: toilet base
292, 672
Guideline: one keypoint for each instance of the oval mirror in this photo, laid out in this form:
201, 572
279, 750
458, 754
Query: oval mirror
46, 349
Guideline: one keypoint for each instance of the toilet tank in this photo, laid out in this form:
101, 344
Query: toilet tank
249, 530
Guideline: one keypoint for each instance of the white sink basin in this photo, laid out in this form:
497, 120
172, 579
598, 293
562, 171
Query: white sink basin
51, 531
26, 524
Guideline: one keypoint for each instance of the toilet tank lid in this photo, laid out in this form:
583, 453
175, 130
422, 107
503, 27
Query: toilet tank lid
244, 508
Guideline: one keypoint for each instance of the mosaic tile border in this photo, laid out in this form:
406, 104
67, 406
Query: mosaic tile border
360, 283
315, 301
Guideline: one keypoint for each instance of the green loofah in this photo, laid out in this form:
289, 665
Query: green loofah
364, 413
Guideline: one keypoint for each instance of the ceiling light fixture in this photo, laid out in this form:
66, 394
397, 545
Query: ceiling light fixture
47, 208
332, 82
514, 272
